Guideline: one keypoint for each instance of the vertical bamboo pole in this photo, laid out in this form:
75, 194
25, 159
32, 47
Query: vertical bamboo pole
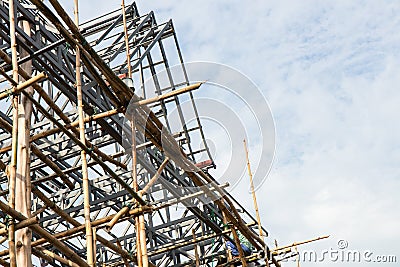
94, 245
23, 181
85, 177
253, 192
13, 166
297, 256
196, 252
128, 57
136, 188
143, 247
260, 232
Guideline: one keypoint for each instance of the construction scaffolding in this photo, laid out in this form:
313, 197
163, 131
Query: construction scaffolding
91, 174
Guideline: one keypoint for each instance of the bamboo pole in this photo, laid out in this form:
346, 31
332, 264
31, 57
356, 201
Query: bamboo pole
117, 216
135, 188
21, 225
300, 243
15, 101
253, 191
128, 59
169, 94
94, 245
17, 89
260, 231
120, 246
85, 176
155, 177
196, 252
58, 258
143, 243
297, 256
23, 202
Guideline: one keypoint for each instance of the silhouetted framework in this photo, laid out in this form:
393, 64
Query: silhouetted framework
187, 216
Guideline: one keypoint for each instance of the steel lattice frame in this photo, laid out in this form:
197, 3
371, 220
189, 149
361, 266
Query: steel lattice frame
154, 48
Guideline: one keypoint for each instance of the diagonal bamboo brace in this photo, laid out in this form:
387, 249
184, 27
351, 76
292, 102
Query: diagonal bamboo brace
22, 86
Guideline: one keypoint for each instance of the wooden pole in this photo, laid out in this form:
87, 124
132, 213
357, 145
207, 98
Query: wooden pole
85, 175
13, 166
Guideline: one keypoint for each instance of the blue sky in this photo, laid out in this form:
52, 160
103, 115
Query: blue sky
329, 70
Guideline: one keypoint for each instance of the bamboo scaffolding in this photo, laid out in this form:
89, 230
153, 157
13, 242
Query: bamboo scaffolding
81, 228
85, 176
42, 157
83, 146
58, 111
76, 39
13, 166
108, 114
234, 217
43, 233
123, 92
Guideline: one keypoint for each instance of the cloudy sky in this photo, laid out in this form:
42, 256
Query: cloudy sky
330, 72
